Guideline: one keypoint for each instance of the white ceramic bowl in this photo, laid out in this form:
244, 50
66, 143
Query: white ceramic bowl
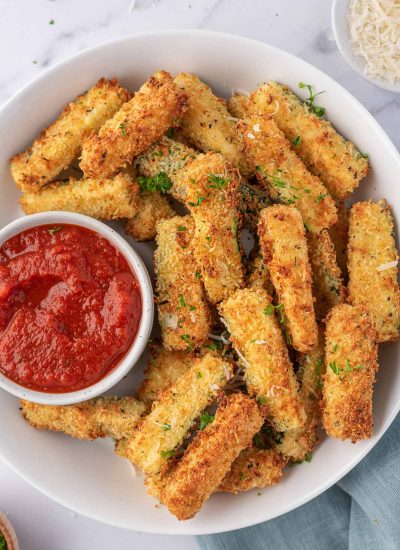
341, 31
146, 321
87, 476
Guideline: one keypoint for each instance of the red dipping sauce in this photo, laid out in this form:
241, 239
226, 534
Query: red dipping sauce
70, 308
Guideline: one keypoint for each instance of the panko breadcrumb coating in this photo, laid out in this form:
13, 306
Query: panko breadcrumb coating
351, 358
210, 187
164, 429
339, 234
141, 121
210, 455
115, 417
326, 153
207, 122
278, 168
150, 208
105, 199
297, 445
238, 105
253, 469
59, 144
373, 267
327, 286
163, 369
257, 274
256, 336
252, 199
183, 312
284, 247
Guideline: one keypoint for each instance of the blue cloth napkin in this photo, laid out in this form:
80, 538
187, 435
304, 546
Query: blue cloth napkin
361, 512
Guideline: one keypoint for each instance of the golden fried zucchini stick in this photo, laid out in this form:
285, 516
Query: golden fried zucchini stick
150, 208
339, 233
252, 199
139, 122
210, 455
115, 417
106, 199
327, 285
183, 312
284, 247
256, 336
163, 369
59, 144
351, 356
257, 274
326, 153
284, 175
209, 186
238, 105
207, 122
253, 469
164, 429
373, 261
297, 445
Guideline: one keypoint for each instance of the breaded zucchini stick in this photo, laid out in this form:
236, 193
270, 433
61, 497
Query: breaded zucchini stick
115, 417
210, 455
253, 469
283, 174
164, 429
183, 312
150, 208
284, 247
163, 369
257, 274
326, 153
207, 122
252, 199
297, 445
339, 233
139, 122
238, 105
351, 356
210, 187
328, 289
106, 199
373, 267
59, 144
256, 336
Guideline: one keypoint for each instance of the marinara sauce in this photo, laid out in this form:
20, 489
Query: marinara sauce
70, 308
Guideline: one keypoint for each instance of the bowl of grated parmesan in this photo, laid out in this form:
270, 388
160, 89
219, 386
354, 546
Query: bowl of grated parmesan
367, 33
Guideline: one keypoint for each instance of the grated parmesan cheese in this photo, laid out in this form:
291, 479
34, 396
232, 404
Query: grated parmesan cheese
389, 265
375, 36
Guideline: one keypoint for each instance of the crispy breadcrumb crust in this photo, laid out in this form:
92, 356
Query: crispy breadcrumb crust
269, 375
207, 122
339, 233
163, 369
283, 174
326, 153
252, 199
284, 247
351, 358
372, 246
210, 455
183, 312
115, 417
141, 121
328, 289
238, 105
297, 445
105, 199
59, 144
164, 429
257, 274
150, 209
210, 187
253, 469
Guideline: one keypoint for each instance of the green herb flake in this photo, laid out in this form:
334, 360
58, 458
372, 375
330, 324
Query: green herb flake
279, 308
166, 427
199, 201
307, 226
122, 128
197, 274
182, 301
296, 141
217, 182
364, 155
332, 365
310, 101
170, 132
205, 419
269, 310
51, 22
335, 348
55, 229
3, 543
181, 228
308, 457
262, 400
186, 338
160, 182
243, 476
167, 454
320, 197
192, 308
199, 375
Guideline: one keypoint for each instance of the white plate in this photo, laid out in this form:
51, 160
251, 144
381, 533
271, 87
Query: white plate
88, 477
341, 31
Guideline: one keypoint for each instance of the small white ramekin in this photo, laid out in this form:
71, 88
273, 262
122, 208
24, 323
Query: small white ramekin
146, 322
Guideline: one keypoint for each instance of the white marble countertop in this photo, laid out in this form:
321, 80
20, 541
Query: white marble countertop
35, 35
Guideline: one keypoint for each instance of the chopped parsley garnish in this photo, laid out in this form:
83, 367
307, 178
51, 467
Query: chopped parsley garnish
160, 182
51, 22
320, 197
332, 365
182, 300
347, 367
199, 201
243, 476
307, 226
279, 308
3, 543
167, 454
308, 457
191, 308
181, 228
55, 229
170, 132
199, 375
166, 427
205, 419
335, 348
319, 111
262, 400
217, 182
197, 274
208, 238
122, 128
186, 338
364, 155
296, 141
213, 346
